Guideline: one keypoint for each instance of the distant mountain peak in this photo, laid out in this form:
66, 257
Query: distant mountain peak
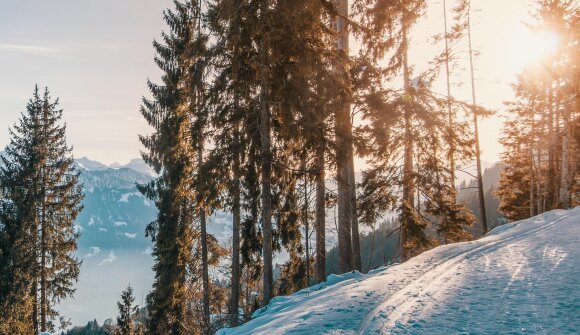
136, 164
87, 164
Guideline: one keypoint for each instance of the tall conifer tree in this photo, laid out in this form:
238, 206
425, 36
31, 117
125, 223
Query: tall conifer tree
43, 198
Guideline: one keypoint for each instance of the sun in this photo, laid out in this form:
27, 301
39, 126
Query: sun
529, 47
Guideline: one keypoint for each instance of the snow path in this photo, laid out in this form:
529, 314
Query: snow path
520, 279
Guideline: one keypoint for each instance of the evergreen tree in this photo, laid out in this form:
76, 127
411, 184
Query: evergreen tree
408, 134
539, 155
184, 193
125, 321
171, 154
43, 198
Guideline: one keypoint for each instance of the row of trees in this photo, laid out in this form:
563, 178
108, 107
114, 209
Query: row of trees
260, 103
40, 198
541, 134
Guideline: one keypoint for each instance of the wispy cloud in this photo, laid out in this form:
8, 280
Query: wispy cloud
32, 49
110, 259
94, 251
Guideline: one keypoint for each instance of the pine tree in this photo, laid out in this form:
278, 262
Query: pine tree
40, 183
539, 155
407, 133
172, 157
125, 320
185, 192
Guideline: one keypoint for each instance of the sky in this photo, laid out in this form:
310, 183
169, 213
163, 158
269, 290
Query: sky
96, 57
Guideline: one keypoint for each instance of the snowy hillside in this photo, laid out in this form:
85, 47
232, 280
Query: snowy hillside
520, 279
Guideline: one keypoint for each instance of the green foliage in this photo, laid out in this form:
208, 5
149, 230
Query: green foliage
126, 324
42, 199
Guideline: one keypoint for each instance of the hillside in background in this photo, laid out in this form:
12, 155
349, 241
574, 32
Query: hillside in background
380, 246
113, 246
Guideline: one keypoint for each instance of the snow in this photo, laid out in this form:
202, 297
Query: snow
522, 278
125, 197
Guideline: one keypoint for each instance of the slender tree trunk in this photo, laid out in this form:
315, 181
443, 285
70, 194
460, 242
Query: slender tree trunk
236, 187
565, 169
266, 168
34, 262
320, 217
539, 190
356, 256
43, 228
247, 297
236, 212
306, 229
34, 293
451, 117
551, 182
343, 152
43, 265
532, 164
408, 178
476, 132
204, 253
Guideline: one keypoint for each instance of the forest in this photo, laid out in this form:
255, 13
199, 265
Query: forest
262, 111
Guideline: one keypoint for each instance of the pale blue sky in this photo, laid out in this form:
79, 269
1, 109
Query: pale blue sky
97, 55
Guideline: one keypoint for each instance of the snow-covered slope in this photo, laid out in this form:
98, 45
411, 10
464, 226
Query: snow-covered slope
520, 279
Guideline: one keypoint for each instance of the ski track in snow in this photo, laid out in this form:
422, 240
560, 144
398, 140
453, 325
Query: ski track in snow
519, 279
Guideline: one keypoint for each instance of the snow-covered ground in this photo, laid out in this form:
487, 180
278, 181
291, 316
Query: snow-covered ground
522, 278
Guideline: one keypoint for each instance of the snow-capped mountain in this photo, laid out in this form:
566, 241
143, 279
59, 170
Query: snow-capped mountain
136, 164
115, 212
89, 165
113, 246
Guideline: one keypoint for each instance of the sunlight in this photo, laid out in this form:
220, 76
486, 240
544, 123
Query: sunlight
529, 47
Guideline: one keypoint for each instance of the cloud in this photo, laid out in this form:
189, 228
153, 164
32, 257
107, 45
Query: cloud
110, 259
131, 236
36, 50
147, 251
94, 251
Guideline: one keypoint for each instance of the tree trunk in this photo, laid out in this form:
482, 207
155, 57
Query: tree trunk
551, 182
320, 217
43, 265
306, 229
356, 256
343, 135
235, 285
408, 178
532, 164
34, 292
451, 117
236, 187
565, 181
43, 230
476, 132
204, 253
266, 168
